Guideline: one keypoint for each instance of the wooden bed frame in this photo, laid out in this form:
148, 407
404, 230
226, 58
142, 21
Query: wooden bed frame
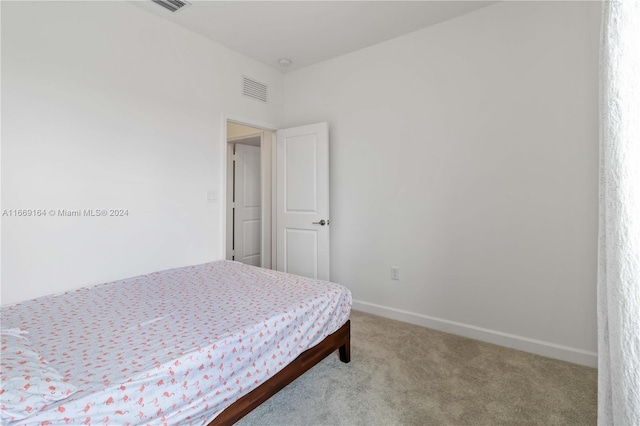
340, 340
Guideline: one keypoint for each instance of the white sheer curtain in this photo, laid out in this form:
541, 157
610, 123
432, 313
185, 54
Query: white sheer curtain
619, 233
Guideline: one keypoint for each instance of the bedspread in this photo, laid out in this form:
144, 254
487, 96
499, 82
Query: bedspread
176, 346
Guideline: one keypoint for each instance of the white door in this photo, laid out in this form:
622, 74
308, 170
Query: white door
302, 200
247, 196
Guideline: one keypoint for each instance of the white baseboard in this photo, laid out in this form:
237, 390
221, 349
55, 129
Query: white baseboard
538, 347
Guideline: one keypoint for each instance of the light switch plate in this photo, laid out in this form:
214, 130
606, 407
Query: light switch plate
395, 273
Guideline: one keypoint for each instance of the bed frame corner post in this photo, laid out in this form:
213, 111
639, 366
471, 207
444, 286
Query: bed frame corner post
345, 349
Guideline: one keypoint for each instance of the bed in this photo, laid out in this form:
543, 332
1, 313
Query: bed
198, 345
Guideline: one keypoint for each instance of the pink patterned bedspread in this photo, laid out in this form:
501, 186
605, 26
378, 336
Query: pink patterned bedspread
177, 346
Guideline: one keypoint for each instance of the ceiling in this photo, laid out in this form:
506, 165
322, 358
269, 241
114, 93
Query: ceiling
308, 32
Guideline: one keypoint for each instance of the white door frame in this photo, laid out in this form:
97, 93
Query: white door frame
267, 159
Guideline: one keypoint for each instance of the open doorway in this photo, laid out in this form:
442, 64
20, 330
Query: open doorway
249, 195
294, 197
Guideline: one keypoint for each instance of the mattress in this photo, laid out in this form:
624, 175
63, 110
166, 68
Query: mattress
176, 346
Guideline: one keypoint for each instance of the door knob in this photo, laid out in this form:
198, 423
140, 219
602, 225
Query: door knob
321, 223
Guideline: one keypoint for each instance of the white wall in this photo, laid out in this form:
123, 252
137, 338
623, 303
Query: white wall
466, 154
107, 106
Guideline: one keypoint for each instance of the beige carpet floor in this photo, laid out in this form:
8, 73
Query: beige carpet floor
402, 374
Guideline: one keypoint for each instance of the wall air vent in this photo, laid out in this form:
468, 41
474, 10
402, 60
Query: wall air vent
253, 89
172, 5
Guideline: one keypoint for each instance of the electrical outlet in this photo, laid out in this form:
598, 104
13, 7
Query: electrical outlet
395, 273
212, 197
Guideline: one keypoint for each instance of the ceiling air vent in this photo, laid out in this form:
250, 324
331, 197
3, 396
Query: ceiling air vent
253, 89
172, 5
